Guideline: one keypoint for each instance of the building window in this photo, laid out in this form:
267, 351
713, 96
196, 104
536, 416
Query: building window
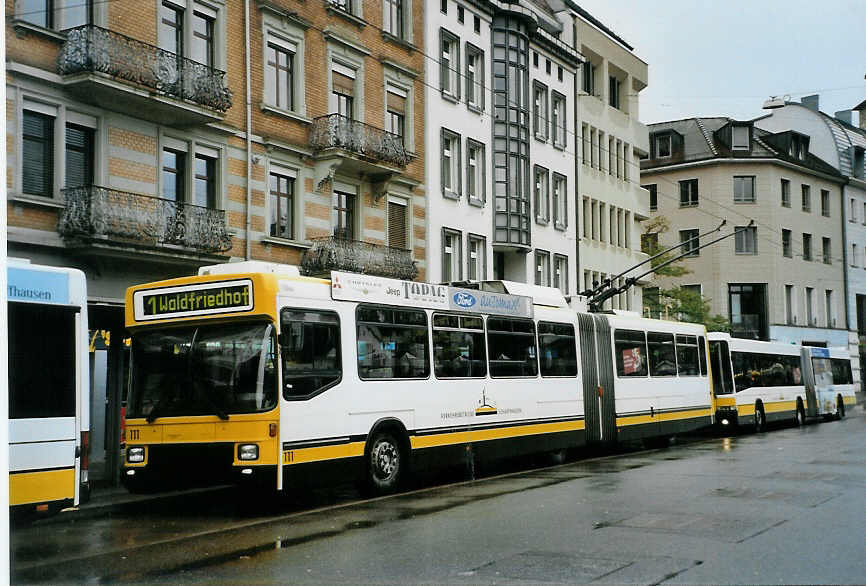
853, 255
173, 172
689, 243
740, 137
688, 193
589, 78
203, 36
614, 97
476, 24
853, 204
449, 64
560, 201
539, 111
395, 113
394, 17
397, 224
653, 196
663, 146
79, 155
474, 77
282, 205
279, 74
786, 193
789, 304
747, 304
475, 177
460, 14
343, 215
476, 258
786, 243
560, 273
443, 6
825, 250
345, 5
171, 23
204, 182
38, 154
810, 318
450, 163
559, 122
807, 246
806, 198
744, 189
542, 268
746, 240
343, 90
864, 213
451, 256
542, 195
828, 306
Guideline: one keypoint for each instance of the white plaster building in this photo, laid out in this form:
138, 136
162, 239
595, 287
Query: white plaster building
841, 144
499, 144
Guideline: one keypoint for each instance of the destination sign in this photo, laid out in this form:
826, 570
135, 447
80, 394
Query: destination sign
369, 289
193, 300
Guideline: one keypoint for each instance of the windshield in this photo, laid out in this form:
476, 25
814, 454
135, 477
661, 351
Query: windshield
207, 370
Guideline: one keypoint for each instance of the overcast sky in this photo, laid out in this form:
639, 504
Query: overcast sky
725, 57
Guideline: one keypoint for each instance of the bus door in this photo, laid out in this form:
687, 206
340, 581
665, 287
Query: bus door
809, 382
724, 403
822, 371
597, 368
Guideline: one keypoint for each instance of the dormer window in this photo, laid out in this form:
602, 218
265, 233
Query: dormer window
740, 137
663, 146
799, 146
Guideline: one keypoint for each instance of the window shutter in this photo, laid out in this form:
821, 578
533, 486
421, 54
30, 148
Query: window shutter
38, 154
397, 225
396, 103
79, 156
343, 83
443, 63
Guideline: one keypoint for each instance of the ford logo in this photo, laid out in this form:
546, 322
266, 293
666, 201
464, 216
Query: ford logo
464, 300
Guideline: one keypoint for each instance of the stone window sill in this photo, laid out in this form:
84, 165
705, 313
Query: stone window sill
286, 114
285, 242
36, 200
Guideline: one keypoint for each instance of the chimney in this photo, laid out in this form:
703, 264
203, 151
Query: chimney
810, 102
845, 116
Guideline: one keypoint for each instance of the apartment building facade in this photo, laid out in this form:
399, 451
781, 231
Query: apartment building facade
610, 201
500, 144
145, 139
841, 144
783, 278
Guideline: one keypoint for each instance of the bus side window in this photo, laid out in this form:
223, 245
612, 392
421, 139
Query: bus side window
310, 348
702, 354
511, 347
558, 349
631, 353
662, 354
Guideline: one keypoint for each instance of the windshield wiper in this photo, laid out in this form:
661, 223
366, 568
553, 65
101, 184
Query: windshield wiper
216, 408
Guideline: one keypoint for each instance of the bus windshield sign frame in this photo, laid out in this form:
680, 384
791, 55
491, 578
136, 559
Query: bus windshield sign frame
371, 289
216, 297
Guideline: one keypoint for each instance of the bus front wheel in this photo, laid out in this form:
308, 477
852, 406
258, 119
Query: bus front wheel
840, 407
800, 417
386, 461
760, 420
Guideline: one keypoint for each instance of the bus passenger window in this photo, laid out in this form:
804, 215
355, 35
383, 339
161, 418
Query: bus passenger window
720, 362
558, 355
631, 354
687, 355
392, 343
310, 345
841, 371
702, 355
662, 356
458, 347
511, 347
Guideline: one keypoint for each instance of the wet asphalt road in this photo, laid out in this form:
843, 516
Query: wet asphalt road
787, 506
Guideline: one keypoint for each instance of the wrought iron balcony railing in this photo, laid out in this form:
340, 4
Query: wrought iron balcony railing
336, 131
100, 213
92, 49
335, 254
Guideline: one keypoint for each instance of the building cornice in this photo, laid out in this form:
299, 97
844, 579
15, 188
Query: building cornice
738, 161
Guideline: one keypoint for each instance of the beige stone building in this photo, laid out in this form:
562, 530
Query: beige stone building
782, 279
147, 138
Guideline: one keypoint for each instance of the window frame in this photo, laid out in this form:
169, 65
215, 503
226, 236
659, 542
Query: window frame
339, 347
456, 256
747, 230
744, 181
689, 188
542, 255
340, 209
540, 127
479, 174
278, 196
787, 246
559, 200
453, 140
786, 193
690, 250
475, 90
449, 68
539, 173
558, 276
460, 328
540, 347
427, 338
47, 142
389, 19
806, 197
532, 336
481, 256
559, 122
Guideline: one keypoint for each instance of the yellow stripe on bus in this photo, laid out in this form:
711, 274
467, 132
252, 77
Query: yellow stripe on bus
480, 435
321, 453
41, 487
673, 416
726, 401
850, 400
776, 406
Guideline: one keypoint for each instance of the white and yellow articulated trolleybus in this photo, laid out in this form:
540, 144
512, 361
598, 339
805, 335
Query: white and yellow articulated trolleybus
254, 371
757, 382
49, 388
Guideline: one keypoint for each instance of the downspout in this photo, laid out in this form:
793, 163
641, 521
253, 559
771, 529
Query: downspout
845, 255
249, 128
578, 138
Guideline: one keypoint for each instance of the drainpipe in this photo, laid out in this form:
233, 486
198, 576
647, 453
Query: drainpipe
249, 128
845, 268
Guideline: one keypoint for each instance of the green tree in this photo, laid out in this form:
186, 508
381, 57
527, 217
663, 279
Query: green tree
690, 306
649, 243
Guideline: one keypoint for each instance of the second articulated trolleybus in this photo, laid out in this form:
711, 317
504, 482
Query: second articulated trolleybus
758, 382
256, 371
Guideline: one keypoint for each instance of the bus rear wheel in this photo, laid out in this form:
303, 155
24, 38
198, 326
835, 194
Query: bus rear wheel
386, 461
840, 407
800, 416
760, 420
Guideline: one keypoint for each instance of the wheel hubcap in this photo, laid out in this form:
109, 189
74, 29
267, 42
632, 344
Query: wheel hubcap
385, 460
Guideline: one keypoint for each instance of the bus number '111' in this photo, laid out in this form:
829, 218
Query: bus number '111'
288, 457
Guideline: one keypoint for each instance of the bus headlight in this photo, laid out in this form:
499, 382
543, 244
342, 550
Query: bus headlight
135, 455
248, 452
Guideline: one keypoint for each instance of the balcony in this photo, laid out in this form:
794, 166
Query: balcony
99, 217
355, 148
125, 75
334, 254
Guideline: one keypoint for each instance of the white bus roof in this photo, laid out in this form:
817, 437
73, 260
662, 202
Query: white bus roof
761, 346
250, 266
31, 283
